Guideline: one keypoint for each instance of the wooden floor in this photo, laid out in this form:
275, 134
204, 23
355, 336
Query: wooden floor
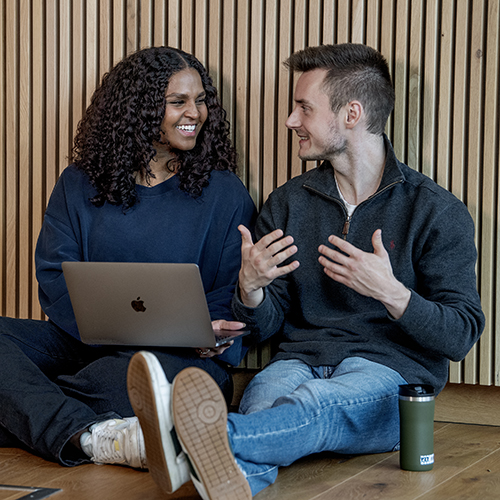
467, 467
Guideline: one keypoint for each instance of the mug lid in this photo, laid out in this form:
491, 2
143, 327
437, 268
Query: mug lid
416, 390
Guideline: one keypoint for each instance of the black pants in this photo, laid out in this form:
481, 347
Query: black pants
53, 386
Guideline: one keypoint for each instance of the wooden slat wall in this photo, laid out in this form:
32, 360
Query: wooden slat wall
444, 58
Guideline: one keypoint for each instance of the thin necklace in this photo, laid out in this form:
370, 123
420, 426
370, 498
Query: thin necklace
143, 181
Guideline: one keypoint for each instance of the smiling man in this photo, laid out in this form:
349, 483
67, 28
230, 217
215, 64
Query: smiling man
363, 267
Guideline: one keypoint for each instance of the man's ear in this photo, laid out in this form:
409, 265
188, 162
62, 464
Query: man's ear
354, 112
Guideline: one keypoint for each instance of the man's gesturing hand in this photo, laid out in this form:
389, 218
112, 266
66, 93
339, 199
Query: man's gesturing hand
369, 274
260, 261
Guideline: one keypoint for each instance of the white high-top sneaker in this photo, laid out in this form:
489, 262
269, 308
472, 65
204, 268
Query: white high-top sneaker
116, 441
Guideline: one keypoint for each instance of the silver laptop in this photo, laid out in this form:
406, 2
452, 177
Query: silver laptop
141, 304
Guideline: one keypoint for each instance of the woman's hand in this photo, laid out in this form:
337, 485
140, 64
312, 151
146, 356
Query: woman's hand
220, 324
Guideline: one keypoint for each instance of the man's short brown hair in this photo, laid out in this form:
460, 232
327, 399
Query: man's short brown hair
354, 72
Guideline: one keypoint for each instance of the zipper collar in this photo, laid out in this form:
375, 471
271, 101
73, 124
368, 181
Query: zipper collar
322, 181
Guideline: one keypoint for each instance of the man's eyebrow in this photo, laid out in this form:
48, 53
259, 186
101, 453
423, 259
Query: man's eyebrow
302, 101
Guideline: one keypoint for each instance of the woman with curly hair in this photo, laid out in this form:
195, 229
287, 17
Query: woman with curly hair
153, 180
123, 128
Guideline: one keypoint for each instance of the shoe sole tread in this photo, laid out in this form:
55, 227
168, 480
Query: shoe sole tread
200, 417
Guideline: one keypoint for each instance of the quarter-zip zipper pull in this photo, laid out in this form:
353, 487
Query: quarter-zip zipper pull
345, 230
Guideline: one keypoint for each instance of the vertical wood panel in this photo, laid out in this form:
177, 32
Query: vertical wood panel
343, 21
3, 187
118, 40
414, 89
255, 119
387, 29
373, 10
284, 102
444, 59
214, 42
489, 196
460, 100
38, 148
131, 19
227, 90
475, 68
25, 106
495, 319
104, 37
145, 24
91, 51
11, 156
313, 37
430, 76
242, 78
159, 23
493, 155
329, 22
255, 103
299, 42
64, 97
445, 122
269, 100
314, 23
474, 154
173, 28
358, 21
187, 26
200, 43
77, 76
400, 76
459, 124
52, 97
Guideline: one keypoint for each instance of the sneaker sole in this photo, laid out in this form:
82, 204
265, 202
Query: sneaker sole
149, 393
200, 418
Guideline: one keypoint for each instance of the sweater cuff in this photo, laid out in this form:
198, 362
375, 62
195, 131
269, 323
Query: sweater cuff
240, 310
415, 319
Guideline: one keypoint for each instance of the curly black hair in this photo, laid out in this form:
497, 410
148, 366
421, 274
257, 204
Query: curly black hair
114, 140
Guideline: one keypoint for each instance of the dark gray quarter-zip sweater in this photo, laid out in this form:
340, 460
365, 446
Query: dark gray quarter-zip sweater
429, 236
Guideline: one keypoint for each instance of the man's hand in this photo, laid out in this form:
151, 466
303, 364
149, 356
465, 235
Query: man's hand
220, 324
369, 274
259, 263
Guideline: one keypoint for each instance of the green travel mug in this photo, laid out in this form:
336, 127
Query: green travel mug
416, 423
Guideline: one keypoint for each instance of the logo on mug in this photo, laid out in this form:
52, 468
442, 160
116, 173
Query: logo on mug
426, 459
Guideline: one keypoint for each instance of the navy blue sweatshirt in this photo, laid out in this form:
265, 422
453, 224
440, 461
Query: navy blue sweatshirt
429, 236
165, 225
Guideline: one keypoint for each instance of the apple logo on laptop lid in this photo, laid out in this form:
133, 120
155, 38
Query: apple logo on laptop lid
138, 305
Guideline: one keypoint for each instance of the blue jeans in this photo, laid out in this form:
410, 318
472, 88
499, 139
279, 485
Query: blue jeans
52, 385
291, 410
